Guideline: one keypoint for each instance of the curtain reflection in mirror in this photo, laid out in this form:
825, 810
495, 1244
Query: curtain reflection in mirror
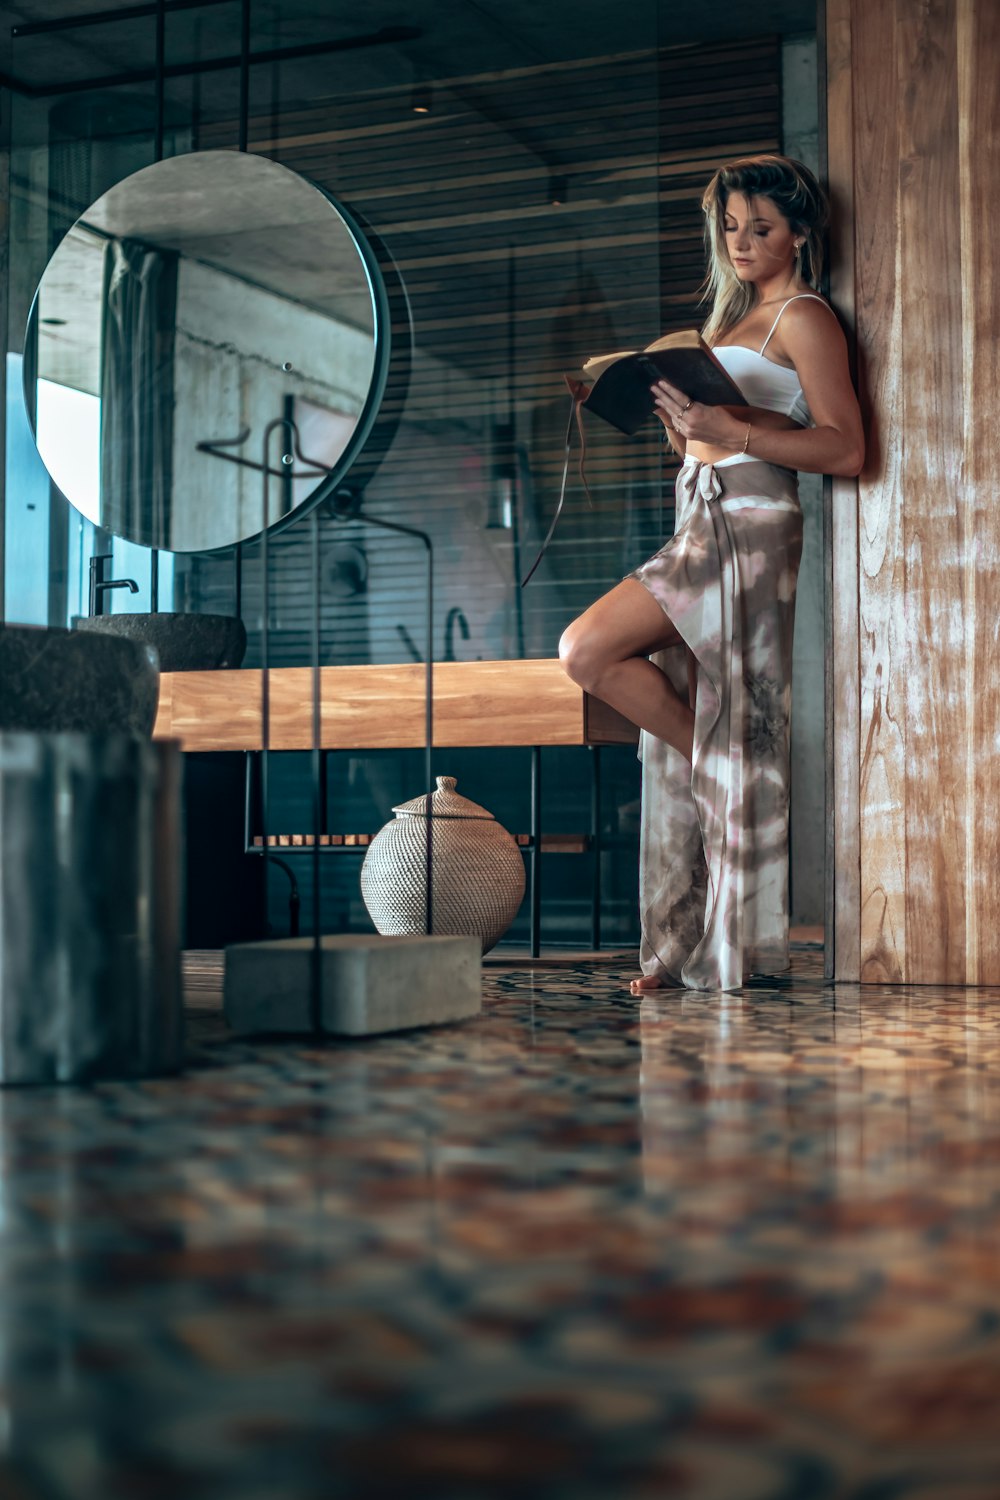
137, 385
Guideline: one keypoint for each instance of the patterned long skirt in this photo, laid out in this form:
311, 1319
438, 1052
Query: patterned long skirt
714, 846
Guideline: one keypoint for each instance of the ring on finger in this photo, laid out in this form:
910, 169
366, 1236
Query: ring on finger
685, 406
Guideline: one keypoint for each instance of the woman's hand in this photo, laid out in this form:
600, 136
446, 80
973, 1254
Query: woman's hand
694, 422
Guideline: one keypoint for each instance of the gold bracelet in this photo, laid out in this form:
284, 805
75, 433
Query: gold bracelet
746, 440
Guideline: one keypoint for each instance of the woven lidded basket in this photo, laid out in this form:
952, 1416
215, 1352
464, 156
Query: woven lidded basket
478, 870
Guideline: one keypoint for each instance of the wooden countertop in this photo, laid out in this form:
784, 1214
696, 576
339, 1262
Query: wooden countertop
382, 707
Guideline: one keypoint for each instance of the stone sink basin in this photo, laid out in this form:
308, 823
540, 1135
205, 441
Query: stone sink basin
184, 643
53, 679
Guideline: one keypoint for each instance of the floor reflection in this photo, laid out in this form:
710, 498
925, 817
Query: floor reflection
722, 1247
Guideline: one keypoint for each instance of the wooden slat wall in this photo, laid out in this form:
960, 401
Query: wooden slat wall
507, 291
922, 147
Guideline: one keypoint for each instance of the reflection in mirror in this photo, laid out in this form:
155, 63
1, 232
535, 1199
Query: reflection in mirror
196, 303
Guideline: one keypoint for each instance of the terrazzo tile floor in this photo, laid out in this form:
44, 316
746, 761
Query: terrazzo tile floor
739, 1247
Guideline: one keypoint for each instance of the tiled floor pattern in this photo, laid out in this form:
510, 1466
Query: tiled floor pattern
720, 1248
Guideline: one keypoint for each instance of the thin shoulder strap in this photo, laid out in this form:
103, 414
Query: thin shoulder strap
799, 296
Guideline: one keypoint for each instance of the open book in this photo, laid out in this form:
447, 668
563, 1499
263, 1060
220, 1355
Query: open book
620, 383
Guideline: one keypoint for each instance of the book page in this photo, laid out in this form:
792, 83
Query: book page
683, 338
600, 362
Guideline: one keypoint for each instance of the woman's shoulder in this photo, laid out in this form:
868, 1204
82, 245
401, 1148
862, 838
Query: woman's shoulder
804, 308
806, 318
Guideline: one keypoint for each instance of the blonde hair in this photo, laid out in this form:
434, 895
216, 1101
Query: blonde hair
795, 193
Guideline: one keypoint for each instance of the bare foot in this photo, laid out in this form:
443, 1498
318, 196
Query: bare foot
645, 983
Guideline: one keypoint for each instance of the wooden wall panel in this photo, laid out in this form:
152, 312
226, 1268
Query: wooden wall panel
921, 144
882, 624
843, 924
930, 357
978, 66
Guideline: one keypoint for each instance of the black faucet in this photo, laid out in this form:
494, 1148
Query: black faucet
99, 584
455, 617
408, 642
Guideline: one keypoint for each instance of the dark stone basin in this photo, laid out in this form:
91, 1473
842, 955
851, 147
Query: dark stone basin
184, 643
53, 679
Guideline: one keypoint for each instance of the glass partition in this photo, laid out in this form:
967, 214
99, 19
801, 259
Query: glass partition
531, 189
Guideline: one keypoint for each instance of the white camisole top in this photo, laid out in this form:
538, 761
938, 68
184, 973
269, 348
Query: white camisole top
762, 382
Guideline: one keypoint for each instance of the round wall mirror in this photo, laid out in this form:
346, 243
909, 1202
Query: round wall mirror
206, 352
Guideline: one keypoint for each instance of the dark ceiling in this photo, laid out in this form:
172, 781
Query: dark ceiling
401, 43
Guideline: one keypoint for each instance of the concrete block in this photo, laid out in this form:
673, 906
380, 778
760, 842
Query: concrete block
368, 984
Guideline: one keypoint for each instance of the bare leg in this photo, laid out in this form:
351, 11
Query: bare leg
604, 652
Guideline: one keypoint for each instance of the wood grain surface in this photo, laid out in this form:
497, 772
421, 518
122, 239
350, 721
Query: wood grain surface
921, 143
843, 926
382, 707
935, 493
882, 626
978, 52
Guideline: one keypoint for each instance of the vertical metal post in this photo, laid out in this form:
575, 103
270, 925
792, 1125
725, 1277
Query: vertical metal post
265, 672
160, 48
196, 93
244, 75
595, 845
251, 800
324, 791
238, 579
536, 849
287, 482
429, 741
158, 83
513, 457
318, 787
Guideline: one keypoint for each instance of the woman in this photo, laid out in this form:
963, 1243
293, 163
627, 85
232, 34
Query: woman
714, 608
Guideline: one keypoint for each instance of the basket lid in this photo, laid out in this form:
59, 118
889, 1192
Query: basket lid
445, 803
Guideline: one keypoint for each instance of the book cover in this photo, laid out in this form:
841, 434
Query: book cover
621, 393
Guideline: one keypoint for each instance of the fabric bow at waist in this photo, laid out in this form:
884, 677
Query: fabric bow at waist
703, 481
